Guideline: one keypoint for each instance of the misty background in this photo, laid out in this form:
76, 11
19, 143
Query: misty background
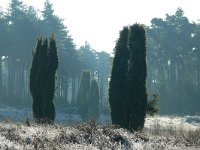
84, 17
173, 60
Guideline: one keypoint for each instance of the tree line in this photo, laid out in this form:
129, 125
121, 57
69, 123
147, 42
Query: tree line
173, 60
20, 26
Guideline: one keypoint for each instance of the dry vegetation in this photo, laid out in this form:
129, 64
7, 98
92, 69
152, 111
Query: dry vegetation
155, 136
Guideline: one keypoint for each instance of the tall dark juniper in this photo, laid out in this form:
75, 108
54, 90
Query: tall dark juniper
136, 78
127, 91
117, 85
42, 80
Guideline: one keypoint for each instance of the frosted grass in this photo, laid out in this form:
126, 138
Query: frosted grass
160, 132
92, 136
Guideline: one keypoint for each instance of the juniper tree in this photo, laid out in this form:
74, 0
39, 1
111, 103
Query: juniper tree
93, 101
35, 75
83, 94
42, 80
136, 78
51, 77
117, 85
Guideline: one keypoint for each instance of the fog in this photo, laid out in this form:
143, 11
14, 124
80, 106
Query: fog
54, 90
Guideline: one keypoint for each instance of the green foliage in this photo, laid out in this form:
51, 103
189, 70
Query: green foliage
173, 63
117, 85
152, 106
21, 24
136, 78
173, 58
83, 94
88, 57
42, 80
88, 97
127, 93
93, 101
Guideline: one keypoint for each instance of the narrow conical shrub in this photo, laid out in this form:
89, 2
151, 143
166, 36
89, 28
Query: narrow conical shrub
42, 80
127, 88
136, 78
117, 85
83, 94
93, 101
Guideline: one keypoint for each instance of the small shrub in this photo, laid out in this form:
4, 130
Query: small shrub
27, 122
152, 107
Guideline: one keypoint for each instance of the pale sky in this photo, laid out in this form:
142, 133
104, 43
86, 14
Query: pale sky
99, 21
